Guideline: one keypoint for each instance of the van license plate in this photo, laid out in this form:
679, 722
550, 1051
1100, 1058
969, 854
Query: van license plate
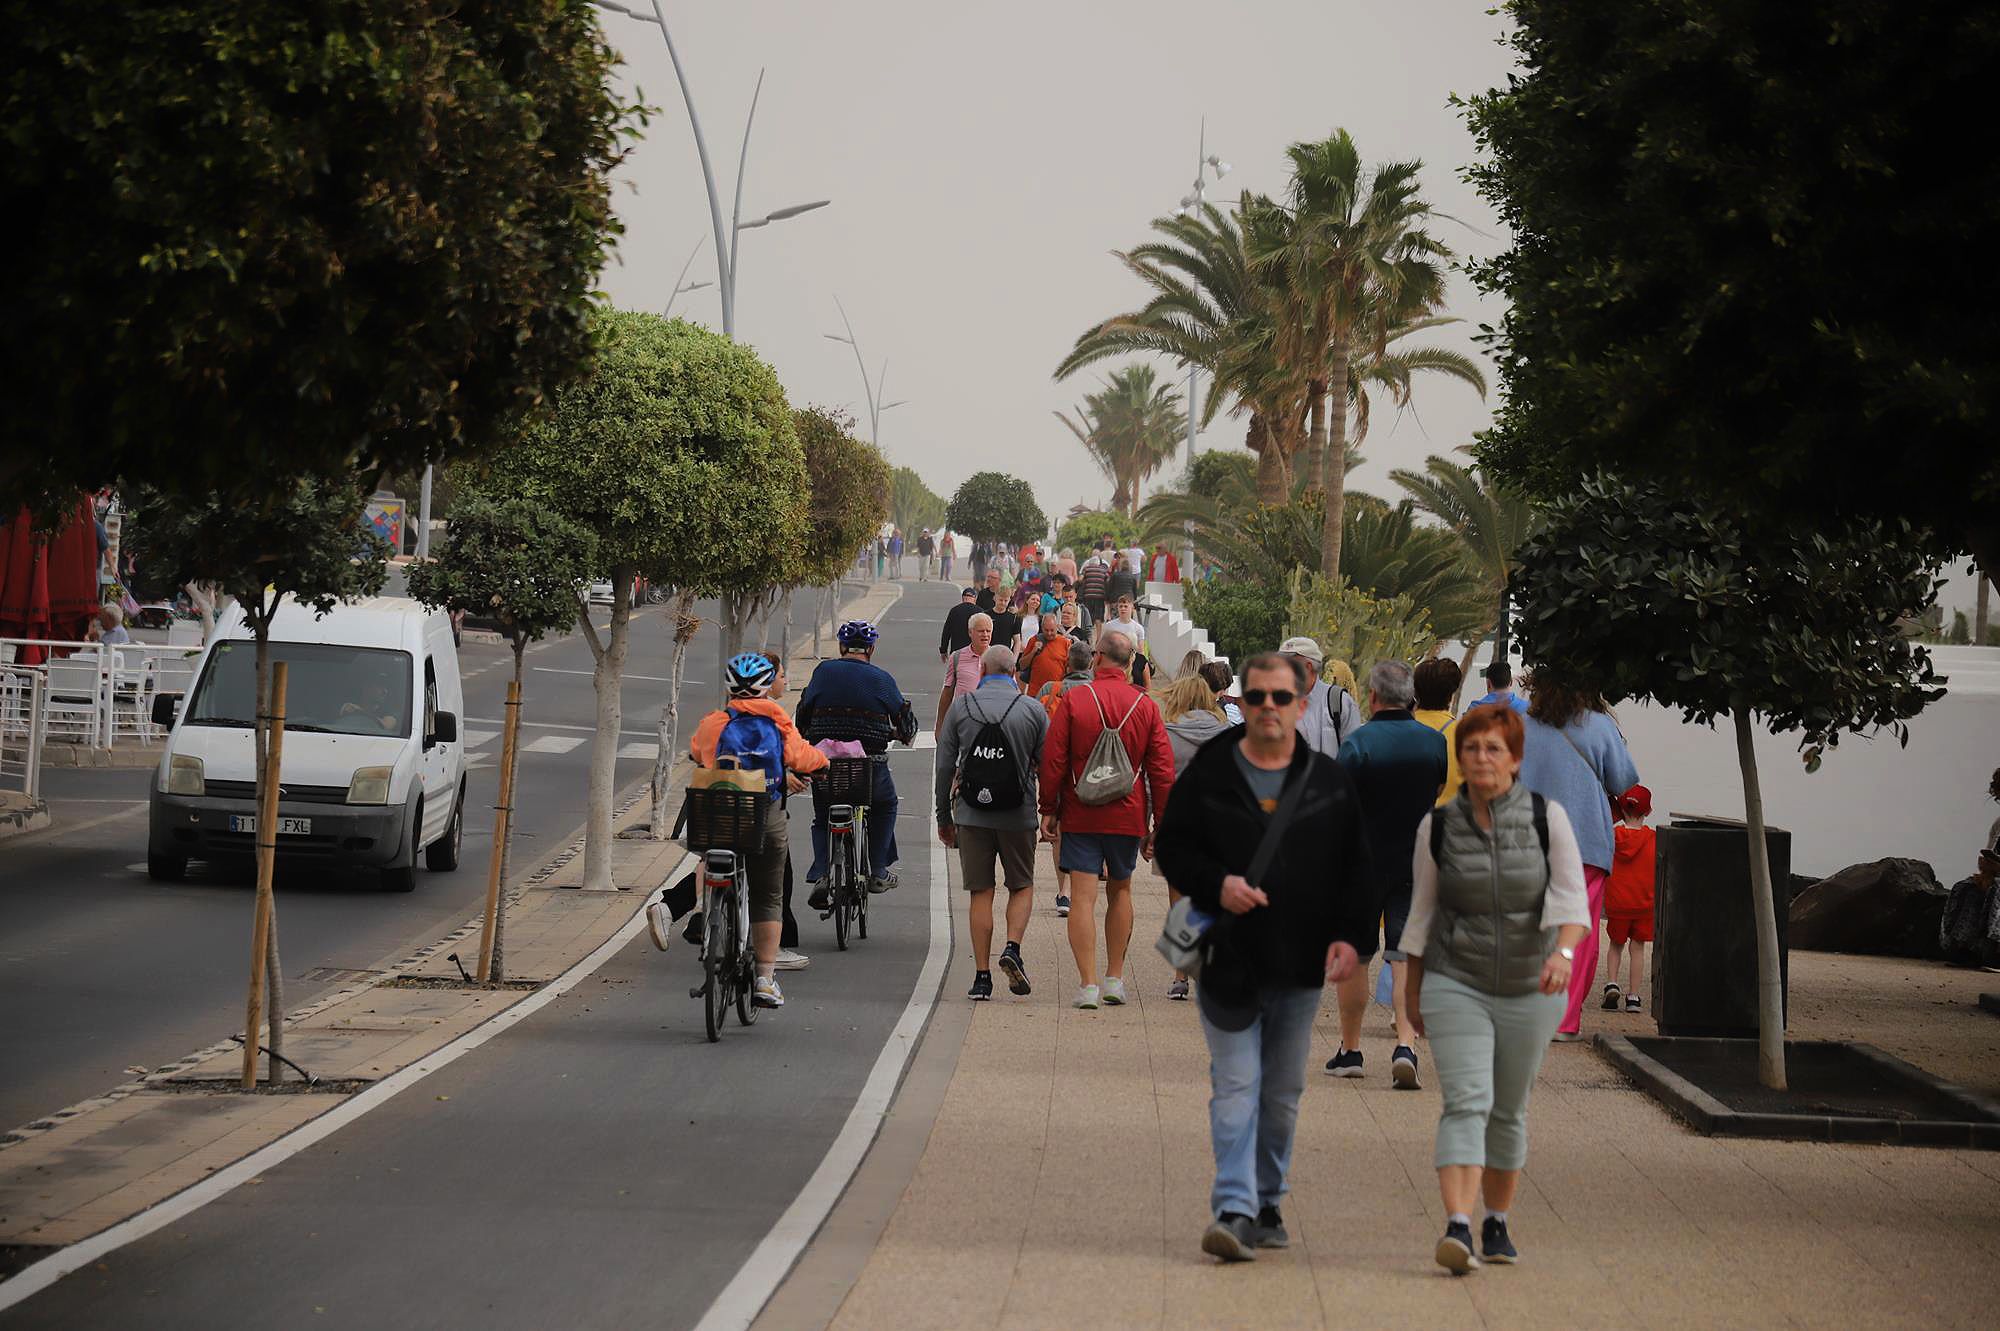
247, 822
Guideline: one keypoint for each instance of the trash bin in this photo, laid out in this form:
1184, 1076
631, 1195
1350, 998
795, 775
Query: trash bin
1705, 925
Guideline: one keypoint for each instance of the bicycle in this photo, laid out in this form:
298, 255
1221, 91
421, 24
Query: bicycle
840, 800
724, 825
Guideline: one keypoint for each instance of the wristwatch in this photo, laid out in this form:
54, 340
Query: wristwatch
1566, 953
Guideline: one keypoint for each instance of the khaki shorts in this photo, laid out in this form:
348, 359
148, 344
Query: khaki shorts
979, 847
767, 869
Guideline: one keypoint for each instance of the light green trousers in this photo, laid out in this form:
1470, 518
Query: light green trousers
1487, 1049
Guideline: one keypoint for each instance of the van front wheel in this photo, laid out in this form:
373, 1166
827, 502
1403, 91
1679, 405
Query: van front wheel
442, 855
403, 877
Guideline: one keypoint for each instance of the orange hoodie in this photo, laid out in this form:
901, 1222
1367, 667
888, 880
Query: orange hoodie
799, 756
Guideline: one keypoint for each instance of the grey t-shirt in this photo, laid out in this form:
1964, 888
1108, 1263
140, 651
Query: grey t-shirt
1265, 786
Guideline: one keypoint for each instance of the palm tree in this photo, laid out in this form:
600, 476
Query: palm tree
1206, 308
1130, 427
1356, 265
1490, 524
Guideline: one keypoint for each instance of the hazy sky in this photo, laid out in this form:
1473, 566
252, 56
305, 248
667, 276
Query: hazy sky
983, 161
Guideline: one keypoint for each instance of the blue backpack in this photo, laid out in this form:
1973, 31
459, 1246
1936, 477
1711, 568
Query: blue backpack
755, 741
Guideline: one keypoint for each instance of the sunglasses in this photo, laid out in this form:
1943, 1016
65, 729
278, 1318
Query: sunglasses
1278, 697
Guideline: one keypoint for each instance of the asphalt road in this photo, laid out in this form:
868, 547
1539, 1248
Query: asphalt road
599, 1165
102, 969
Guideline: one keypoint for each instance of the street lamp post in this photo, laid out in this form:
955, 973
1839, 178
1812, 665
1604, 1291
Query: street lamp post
725, 245
682, 286
1191, 202
876, 406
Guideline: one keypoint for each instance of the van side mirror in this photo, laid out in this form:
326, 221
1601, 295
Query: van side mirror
444, 727
165, 706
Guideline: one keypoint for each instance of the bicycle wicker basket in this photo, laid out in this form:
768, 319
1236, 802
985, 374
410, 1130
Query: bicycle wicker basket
847, 781
721, 818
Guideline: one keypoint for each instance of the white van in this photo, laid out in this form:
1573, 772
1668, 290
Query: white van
372, 772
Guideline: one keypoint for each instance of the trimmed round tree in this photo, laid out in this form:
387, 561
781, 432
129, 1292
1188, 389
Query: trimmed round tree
993, 506
849, 487
678, 455
257, 238
519, 563
1646, 594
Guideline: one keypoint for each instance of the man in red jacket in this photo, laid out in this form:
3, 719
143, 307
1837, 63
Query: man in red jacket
1104, 839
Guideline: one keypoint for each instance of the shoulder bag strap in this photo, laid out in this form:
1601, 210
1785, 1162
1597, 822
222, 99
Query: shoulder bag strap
1102, 720
1274, 831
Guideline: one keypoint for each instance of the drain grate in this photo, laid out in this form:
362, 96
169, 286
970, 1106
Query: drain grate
335, 975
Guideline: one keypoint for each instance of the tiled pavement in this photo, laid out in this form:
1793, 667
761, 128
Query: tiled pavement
1064, 1183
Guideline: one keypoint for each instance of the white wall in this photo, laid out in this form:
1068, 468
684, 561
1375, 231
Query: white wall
1170, 633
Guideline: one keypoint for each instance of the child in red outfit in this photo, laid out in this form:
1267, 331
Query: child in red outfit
1628, 896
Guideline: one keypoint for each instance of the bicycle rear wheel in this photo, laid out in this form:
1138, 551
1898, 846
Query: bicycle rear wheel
841, 881
746, 970
718, 956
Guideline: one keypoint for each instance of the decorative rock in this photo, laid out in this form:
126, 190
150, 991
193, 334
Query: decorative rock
1890, 907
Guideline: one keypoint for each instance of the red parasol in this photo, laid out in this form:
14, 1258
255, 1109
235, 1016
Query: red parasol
48, 584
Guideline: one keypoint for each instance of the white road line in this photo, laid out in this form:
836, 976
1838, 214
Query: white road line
640, 748
550, 725
32, 1280
472, 739
553, 744
752, 1286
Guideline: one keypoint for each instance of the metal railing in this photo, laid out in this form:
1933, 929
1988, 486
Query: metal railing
94, 695
21, 694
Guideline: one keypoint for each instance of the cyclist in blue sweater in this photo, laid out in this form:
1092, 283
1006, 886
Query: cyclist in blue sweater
852, 698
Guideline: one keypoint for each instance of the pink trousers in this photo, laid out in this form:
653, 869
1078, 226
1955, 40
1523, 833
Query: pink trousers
1583, 971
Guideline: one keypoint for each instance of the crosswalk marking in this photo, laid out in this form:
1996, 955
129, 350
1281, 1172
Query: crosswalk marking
552, 744
474, 738
640, 748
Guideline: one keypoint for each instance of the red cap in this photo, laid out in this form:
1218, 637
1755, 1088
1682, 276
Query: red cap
1637, 800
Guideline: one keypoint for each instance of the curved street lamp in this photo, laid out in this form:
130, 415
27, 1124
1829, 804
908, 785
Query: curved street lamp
874, 391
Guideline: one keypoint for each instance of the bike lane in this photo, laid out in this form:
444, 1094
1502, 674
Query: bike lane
599, 1164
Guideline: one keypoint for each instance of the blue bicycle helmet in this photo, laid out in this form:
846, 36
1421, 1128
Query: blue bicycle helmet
750, 675
858, 633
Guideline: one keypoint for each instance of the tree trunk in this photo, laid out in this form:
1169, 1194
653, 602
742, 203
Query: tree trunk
1334, 463
785, 633
266, 983
1273, 479
1314, 462
1465, 667
1979, 604
1770, 983
608, 677
685, 627
490, 965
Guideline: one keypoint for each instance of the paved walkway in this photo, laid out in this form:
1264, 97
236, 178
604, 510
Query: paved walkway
1064, 1183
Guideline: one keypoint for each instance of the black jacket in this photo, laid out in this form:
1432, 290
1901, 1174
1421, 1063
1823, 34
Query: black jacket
1320, 882
956, 633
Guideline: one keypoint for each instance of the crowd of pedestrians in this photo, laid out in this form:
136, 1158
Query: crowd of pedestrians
1307, 823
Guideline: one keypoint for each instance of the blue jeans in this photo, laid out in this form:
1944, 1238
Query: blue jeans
881, 830
1256, 1077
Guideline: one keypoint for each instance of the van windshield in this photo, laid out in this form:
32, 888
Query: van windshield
328, 688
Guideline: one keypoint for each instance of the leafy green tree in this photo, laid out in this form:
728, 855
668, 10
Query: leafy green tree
1217, 468
1081, 533
1130, 428
680, 457
912, 504
1355, 263
848, 484
310, 544
1645, 593
1489, 520
382, 250
1207, 307
519, 564
993, 506
1242, 617
1730, 223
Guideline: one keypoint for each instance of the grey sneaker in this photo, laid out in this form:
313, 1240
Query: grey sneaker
882, 883
1086, 997
1114, 991
1178, 990
1270, 1231
1231, 1237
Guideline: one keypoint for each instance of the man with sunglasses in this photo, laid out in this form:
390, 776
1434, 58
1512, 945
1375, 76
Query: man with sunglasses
1309, 919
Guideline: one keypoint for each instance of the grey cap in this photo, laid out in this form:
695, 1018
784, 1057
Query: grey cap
1302, 646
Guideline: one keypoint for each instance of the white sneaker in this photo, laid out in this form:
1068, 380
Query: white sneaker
767, 992
659, 924
1086, 997
789, 960
1114, 991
